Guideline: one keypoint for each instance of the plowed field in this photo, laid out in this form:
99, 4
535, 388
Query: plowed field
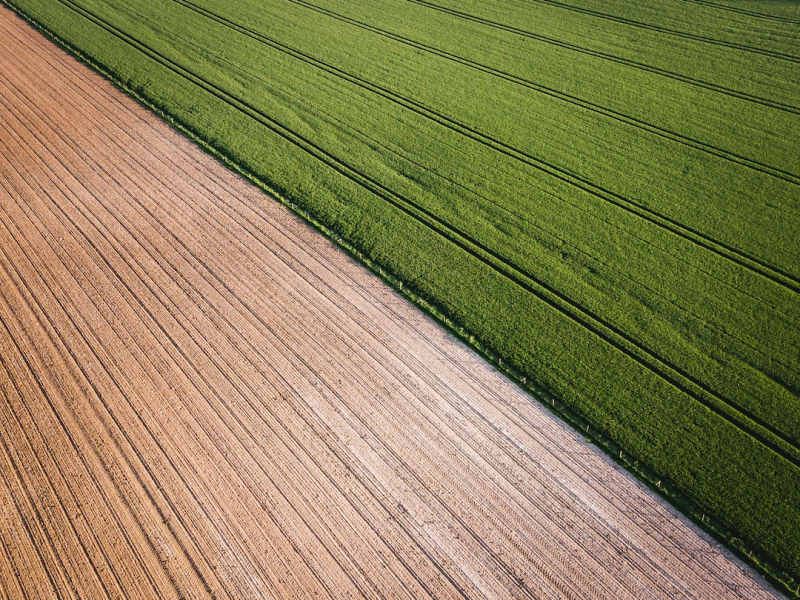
603, 194
200, 395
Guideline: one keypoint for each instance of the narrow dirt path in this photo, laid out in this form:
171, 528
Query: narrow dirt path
201, 396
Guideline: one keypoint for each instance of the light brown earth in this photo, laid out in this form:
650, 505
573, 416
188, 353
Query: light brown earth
200, 395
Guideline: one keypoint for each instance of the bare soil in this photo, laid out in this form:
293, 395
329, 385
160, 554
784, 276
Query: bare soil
200, 395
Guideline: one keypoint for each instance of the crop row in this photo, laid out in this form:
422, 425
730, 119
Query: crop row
601, 12
461, 52
767, 80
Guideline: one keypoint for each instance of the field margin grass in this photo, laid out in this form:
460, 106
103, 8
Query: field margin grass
661, 486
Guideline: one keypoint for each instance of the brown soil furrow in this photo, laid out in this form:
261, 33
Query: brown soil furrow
52, 546
29, 567
37, 460
74, 477
9, 575
10, 585
281, 336
208, 397
534, 428
158, 555
211, 520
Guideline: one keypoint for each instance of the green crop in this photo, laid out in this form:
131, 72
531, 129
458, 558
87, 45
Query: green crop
606, 195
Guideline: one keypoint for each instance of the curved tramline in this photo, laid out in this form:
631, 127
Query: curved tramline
652, 27
751, 13
605, 56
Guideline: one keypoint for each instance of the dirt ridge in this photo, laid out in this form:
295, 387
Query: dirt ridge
203, 397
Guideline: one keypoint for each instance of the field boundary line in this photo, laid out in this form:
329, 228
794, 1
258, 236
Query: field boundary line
642, 471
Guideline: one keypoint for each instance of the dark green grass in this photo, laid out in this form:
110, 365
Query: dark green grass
606, 197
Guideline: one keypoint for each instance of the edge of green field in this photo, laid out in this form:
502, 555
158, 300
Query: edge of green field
785, 582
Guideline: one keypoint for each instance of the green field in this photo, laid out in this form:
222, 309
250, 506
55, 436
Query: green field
605, 193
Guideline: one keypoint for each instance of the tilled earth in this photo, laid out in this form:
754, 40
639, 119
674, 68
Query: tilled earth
201, 396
